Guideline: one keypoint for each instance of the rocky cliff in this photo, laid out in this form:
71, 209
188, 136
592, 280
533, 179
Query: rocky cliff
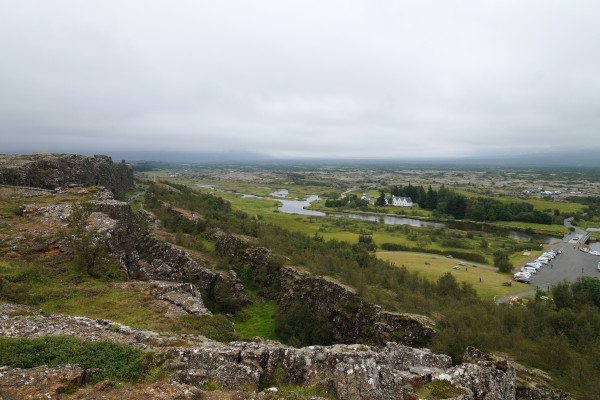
155, 259
352, 320
50, 171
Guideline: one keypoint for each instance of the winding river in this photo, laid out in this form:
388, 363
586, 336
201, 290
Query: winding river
298, 207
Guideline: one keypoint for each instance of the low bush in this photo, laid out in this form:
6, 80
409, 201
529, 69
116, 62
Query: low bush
116, 361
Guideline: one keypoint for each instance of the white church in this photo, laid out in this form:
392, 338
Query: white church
398, 201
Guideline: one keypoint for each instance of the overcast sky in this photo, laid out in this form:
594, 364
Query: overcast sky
419, 78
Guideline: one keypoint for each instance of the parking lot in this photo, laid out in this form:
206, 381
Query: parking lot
570, 265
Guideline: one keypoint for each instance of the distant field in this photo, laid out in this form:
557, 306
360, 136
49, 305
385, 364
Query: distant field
541, 228
490, 286
590, 224
538, 204
295, 191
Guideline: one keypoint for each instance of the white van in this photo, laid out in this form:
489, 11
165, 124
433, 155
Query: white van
531, 270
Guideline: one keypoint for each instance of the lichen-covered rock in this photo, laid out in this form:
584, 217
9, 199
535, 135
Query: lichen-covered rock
352, 371
352, 319
538, 393
486, 380
39, 383
64, 382
174, 263
392, 371
529, 383
184, 296
257, 257
51, 171
23, 321
227, 245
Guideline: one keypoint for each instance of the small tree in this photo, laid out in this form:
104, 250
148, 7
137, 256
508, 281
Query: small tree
366, 240
88, 245
502, 262
381, 199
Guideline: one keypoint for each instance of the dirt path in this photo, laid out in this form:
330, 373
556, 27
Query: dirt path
507, 298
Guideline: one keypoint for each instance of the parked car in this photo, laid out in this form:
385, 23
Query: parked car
522, 279
585, 249
595, 253
536, 264
529, 269
522, 275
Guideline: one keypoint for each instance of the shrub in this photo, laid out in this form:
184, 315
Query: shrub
298, 326
440, 389
502, 262
116, 361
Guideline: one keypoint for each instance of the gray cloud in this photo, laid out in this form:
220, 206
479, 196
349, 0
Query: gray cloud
300, 78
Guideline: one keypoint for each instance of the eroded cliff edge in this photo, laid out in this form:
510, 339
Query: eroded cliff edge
50, 171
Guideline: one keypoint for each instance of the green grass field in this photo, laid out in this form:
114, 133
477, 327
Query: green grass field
491, 281
295, 191
257, 320
553, 230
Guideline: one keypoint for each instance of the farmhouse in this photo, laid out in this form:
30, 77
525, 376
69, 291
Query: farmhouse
368, 198
398, 201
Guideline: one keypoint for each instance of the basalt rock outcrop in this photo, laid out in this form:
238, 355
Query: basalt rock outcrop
50, 171
392, 371
180, 298
350, 371
352, 320
65, 382
28, 322
40, 382
166, 261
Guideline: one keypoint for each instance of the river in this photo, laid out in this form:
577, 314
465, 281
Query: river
298, 207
